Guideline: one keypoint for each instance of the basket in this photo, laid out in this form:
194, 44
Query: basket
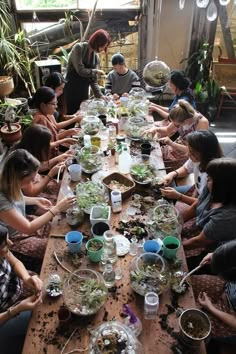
116, 176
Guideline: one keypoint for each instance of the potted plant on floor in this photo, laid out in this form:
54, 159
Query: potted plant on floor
10, 131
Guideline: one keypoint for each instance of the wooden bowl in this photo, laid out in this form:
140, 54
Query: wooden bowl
121, 179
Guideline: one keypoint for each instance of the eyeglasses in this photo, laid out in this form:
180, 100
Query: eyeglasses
53, 103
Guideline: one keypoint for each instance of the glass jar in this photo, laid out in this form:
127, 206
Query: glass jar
109, 275
90, 159
97, 106
90, 125
109, 248
138, 107
75, 216
110, 337
143, 169
89, 194
135, 127
137, 93
148, 273
165, 221
84, 292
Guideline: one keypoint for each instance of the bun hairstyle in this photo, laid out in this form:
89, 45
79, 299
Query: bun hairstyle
223, 261
54, 80
99, 39
178, 78
181, 111
43, 95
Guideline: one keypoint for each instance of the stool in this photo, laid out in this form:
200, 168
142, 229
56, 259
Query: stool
226, 102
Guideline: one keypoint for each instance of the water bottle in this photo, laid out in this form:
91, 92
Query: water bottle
124, 160
109, 275
109, 248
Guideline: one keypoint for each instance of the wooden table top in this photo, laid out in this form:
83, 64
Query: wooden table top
44, 334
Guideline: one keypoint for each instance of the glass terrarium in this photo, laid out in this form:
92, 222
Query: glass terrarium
90, 125
90, 194
97, 106
156, 74
165, 221
142, 169
137, 93
114, 337
84, 292
148, 273
135, 127
90, 159
138, 107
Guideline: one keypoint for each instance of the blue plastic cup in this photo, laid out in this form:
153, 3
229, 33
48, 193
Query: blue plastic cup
151, 246
74, 241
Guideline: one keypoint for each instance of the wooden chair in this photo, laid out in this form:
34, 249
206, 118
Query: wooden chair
224, 72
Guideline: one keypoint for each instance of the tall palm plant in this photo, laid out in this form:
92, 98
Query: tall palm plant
15, 52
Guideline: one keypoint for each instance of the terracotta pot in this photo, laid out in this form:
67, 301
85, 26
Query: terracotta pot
6, 85
13, 136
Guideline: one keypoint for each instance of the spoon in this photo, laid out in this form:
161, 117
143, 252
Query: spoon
211, 11
188, 274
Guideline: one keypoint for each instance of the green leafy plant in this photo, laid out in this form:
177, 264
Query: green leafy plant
142, 172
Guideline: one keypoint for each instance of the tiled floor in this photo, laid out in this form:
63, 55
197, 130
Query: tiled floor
225, 129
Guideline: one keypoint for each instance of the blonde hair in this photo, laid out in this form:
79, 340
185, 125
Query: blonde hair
181, 111
18, 165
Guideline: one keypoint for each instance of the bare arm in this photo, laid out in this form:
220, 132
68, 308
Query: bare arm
197, 241
71, 120
179, 173
203, 124
18, 222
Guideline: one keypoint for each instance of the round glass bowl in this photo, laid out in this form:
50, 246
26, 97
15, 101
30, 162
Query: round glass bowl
97, 106
156, 74
142, 169
148, 273
90, 194
84, 292
114, 337
90, 125
90, 159
165, 220
135, 128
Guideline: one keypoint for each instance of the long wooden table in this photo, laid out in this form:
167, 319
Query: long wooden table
44, 334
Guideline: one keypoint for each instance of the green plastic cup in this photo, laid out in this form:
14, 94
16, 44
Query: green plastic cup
170, 247
94, 254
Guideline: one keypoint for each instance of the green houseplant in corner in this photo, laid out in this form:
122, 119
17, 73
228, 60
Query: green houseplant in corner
10, 131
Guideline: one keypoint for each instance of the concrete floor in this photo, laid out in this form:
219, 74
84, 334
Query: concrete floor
225, 130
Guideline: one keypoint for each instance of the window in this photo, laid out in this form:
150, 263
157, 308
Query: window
75, 4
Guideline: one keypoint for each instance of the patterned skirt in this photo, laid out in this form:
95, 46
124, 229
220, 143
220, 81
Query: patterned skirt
215, 289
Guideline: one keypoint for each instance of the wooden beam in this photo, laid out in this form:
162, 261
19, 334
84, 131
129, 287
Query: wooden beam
226, 31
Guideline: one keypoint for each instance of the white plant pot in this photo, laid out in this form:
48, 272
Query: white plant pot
96, 214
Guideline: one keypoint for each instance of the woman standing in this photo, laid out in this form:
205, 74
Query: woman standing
82, 70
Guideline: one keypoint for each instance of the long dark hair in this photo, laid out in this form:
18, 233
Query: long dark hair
223, 172
206, 144
36, 139
224, 261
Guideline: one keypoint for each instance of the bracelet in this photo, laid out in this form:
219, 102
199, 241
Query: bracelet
180, 196
9, 312
50, 177
177, 174
50, 211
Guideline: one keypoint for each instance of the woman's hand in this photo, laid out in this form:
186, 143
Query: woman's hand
100, 72
65, 155
69, 141
65, 204
169, 193
43, 203
54, 170
205, 301
169, 177
166, 141
207, 259
73, 131
34, 282
30, 302
152, 131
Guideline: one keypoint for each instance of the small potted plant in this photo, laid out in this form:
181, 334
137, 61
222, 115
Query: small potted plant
112, 147
100, 213
10, 131
94, 249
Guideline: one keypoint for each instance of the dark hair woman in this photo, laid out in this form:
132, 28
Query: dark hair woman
36, 139
180, 86
203, 146
12, 301
216, 208
82, 70
217, 293
45, 101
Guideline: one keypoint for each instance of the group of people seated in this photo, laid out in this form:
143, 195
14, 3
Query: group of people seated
28, 189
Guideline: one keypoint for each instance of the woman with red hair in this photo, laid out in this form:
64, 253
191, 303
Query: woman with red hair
82, 69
